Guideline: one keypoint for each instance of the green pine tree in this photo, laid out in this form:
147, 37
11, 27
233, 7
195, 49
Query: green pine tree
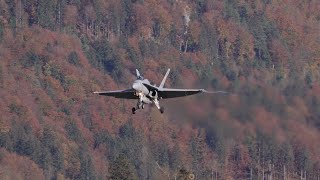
122, 169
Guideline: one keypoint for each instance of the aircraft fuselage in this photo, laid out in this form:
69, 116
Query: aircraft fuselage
142, 91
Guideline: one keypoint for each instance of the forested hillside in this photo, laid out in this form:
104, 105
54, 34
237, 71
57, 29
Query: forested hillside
55, 53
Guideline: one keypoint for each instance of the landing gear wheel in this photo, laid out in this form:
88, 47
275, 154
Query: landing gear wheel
133, 110
142, 106
161, 110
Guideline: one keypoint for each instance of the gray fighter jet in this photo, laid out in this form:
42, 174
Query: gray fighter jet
146, 93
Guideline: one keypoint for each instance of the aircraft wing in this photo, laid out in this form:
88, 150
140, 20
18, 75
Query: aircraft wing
165, 93
124, 94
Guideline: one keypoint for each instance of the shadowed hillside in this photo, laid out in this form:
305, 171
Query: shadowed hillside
55, 53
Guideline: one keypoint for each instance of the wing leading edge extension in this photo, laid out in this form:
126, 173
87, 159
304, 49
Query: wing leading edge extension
124, 94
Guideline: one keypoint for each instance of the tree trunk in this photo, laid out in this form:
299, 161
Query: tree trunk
20, 13
59, 16
305, 175
284, 172
186, 46
211, 174
270, 172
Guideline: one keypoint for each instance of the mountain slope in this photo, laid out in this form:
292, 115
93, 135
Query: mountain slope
54, 54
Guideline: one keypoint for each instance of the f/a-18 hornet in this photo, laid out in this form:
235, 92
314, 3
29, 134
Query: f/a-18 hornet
146, 93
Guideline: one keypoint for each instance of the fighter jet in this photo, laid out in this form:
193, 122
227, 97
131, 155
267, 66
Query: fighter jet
145, 93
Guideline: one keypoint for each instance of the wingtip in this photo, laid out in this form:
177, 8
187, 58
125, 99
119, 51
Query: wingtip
214, 92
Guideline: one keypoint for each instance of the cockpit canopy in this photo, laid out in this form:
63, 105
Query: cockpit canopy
140, 77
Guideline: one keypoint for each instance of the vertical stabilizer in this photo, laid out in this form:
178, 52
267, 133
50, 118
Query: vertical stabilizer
139, 76
137, 72
164, 79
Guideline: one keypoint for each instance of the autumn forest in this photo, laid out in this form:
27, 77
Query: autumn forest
55, 53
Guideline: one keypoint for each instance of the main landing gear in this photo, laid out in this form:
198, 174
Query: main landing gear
161, 110
135, 109
140, 105
156, 102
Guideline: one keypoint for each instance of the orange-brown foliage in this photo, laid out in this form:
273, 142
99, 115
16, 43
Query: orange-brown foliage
13, 166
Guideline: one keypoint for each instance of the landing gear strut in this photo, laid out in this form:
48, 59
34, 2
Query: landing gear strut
140, 105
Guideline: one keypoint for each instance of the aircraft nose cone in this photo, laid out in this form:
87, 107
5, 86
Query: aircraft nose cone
135, 86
